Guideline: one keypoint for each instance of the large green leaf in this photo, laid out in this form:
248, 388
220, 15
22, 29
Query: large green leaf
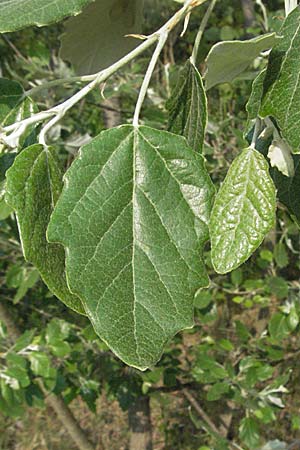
33, 187
17, 14
133, 217
188, 107
244, 211
97, 38
282, 81
226, 60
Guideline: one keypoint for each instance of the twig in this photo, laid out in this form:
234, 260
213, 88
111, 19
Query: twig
201, 31
58, 111
200, 411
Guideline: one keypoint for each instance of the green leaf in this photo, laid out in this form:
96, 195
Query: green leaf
33, 186
226, 60
40, 364
97, 38
133, 217
254, 102
281, 96
281, 255
217, 391
279, 327
17, 14
11, 93
188, 107
249, 432
279, 287
244, 211
288, 189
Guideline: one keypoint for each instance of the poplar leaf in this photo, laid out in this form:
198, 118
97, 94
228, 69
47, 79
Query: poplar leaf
32, 189
244, 211
226, 60
11, 93
254, 102
188, 107
17, 14
97, 38
281, 96
133, 216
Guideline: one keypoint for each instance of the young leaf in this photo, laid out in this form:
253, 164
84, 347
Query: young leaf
33, 187
188, 107
244, 211
17, 14
133, 217
281, 85
97, 38
226, 60
249, 432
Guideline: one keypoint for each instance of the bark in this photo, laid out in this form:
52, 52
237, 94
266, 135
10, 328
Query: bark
248, 11
139, 417
56, 402
111, 112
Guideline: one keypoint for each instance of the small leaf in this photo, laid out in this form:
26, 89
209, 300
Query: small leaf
249, 432
40, 364
133, 217
17, 14
11, 93
279, 327
188, 107
279, 287
244, 211
33, 186
280, 156
226, 60
281, 255
97, 38
281, 96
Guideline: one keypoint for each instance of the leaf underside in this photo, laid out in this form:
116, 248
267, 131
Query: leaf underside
244, 211
17, 14
281, 96
33, 186
188, 107
226, 60
133, 217
97, 38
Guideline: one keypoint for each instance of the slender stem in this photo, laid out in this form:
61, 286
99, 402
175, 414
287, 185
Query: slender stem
201, 31
143, 91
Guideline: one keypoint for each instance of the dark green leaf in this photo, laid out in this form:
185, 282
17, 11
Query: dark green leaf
244, 211
281, 96
17, 14
188, 107
33, 186
254, 102
133, 217
11, 93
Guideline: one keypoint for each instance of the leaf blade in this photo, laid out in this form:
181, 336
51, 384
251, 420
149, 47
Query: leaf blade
226, 60
17, 14
188, 107
132, 177
33, 186
281, 84
243, 212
